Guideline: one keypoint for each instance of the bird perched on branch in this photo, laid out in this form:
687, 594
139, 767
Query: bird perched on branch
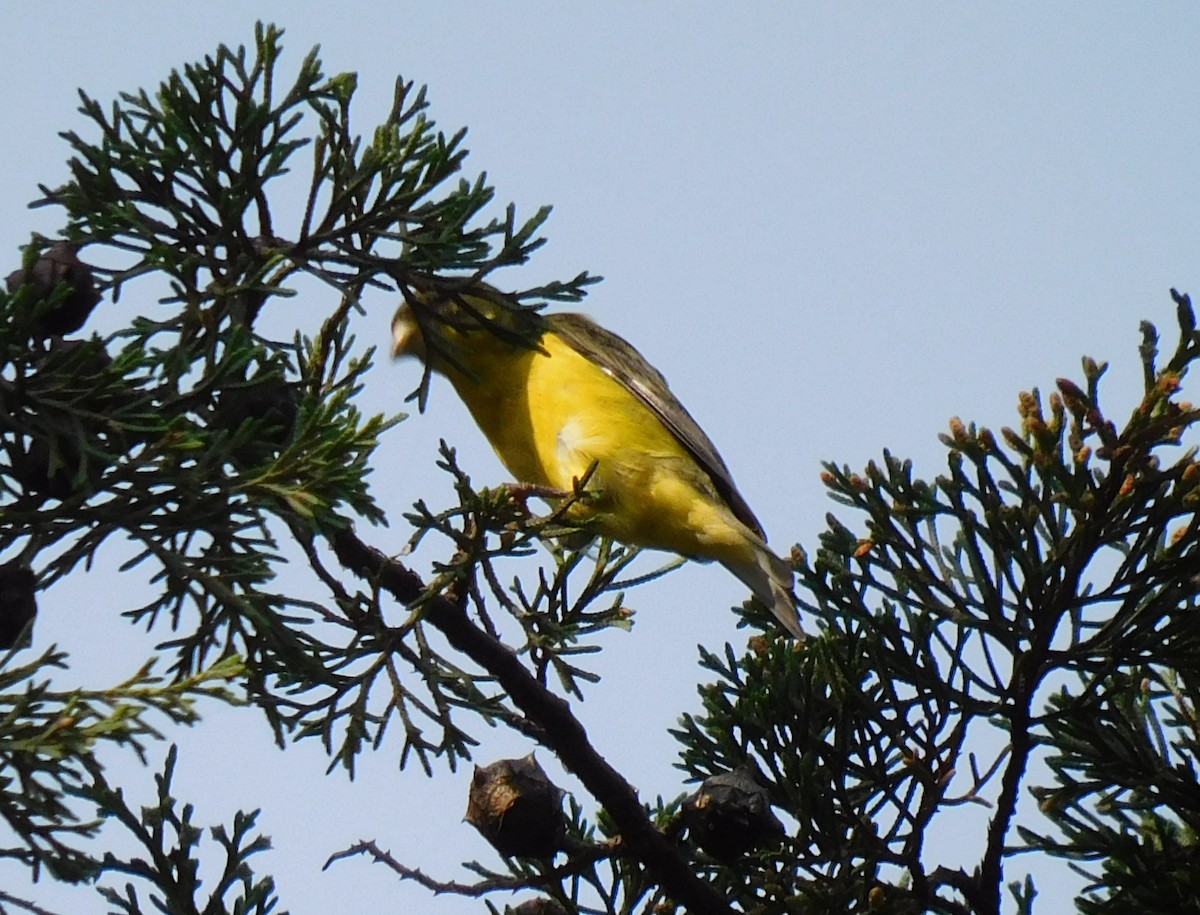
558, 397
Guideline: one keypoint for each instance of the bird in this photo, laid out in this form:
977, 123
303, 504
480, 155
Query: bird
562, 400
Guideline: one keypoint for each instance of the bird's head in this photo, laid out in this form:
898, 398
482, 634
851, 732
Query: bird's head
452, 327
407, 339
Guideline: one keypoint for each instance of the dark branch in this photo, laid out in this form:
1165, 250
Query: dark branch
483, 887
561, 731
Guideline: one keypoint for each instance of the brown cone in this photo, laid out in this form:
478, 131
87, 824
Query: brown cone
517, 808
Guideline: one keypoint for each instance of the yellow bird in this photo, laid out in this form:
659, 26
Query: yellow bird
558, 394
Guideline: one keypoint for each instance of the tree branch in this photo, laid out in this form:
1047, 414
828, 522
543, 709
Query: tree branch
25, 904
561, 731
480, 888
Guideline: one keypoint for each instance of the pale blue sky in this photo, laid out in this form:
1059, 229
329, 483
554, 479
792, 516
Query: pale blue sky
831, 226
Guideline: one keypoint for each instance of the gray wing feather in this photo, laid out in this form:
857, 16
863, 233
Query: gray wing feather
626, 365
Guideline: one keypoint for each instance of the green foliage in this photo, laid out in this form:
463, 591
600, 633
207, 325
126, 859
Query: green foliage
1125, 791
172, 842
216, 451
49, 745
1045, 592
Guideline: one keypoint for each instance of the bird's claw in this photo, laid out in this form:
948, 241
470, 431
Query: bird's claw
521, 493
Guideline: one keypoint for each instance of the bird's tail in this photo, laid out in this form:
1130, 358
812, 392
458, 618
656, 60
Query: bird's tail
770, 579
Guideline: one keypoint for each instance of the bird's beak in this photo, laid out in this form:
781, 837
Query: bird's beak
406, 334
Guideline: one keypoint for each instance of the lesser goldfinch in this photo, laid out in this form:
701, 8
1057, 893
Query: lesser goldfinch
559, 396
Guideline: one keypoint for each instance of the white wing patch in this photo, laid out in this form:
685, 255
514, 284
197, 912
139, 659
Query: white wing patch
575, 450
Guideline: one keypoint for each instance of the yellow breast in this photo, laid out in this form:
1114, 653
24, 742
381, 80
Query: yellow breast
550, 415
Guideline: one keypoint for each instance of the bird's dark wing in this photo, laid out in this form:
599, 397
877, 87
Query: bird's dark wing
622, 362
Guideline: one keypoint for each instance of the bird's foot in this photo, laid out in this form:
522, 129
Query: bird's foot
521, 493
